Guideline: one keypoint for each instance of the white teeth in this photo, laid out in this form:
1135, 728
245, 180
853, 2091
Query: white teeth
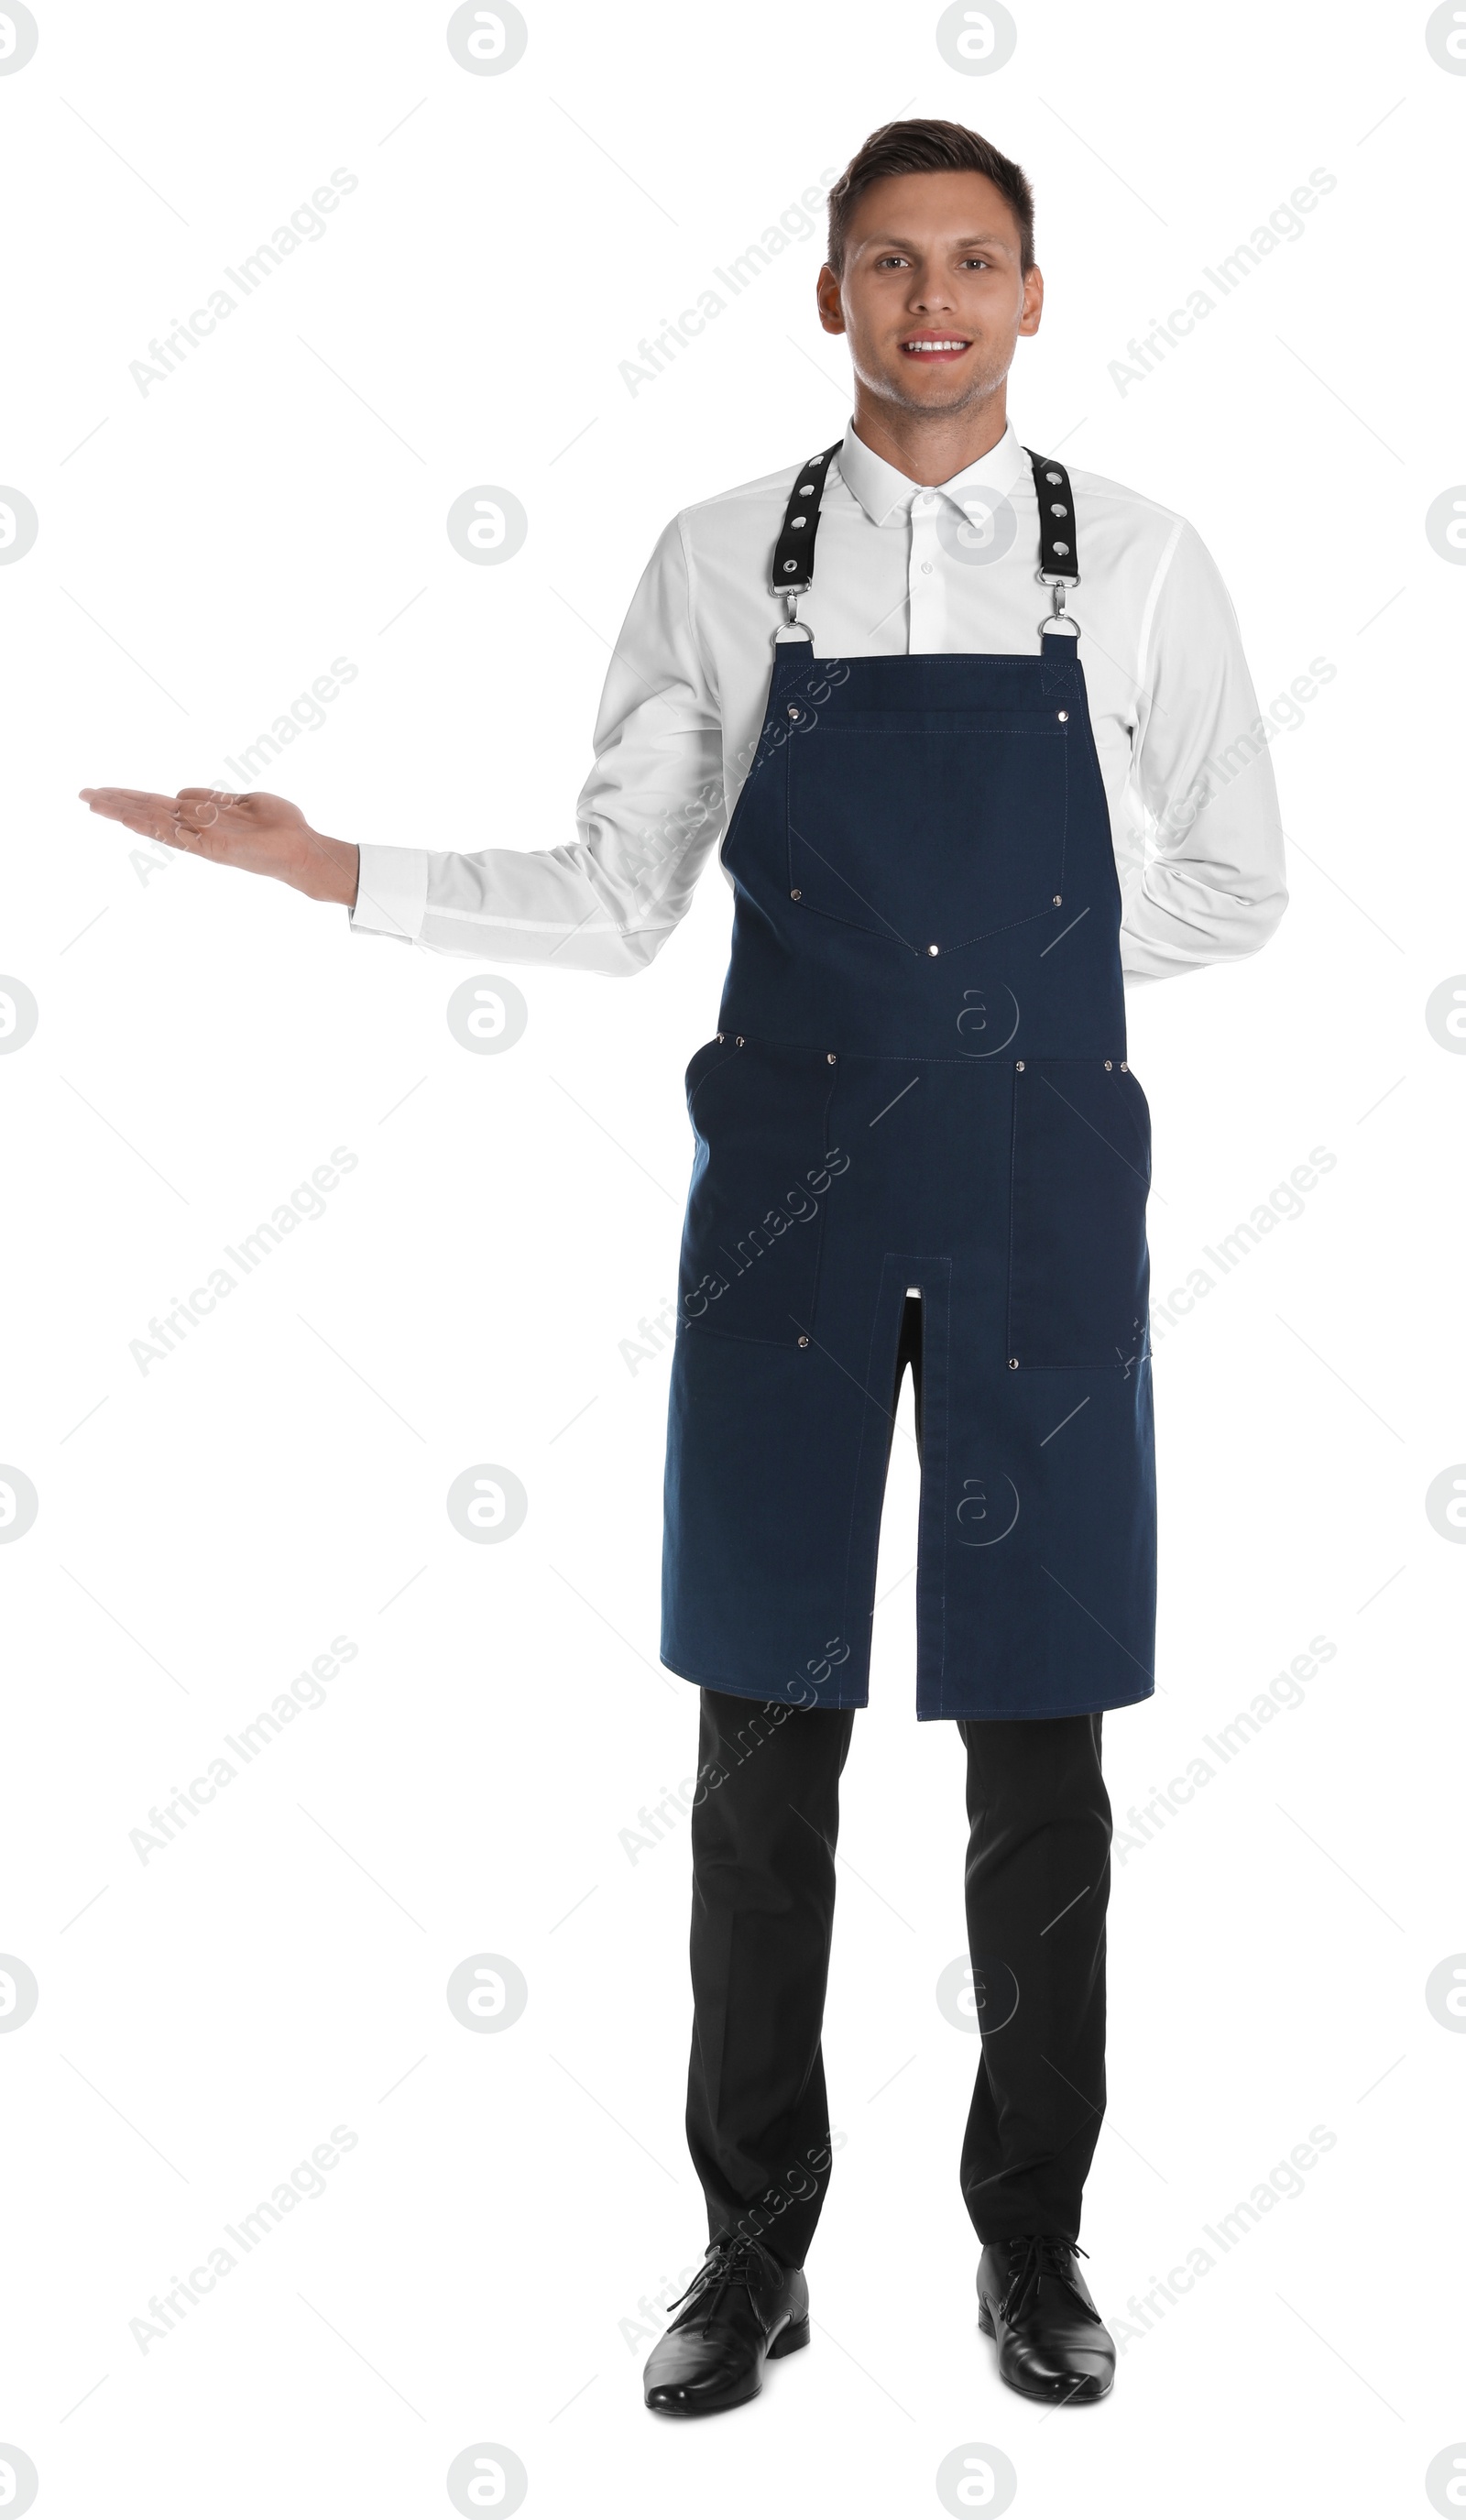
934, 345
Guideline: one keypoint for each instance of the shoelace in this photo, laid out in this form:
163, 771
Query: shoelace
1036, 2255
735, 2263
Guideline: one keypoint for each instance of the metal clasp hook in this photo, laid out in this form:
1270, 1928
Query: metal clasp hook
1056, 618
792, 628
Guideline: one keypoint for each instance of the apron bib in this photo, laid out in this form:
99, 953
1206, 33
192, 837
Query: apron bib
918, 1082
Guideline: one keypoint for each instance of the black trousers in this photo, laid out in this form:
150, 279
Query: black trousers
764, 1827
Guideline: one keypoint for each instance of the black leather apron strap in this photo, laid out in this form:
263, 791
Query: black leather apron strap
792, 571
793, 566
1058, 548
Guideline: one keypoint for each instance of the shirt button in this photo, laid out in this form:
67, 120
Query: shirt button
926, 568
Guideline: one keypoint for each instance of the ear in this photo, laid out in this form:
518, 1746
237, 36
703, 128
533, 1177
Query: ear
827, 300
1033, 302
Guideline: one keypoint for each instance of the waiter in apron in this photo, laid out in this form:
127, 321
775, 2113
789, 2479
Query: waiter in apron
969, 804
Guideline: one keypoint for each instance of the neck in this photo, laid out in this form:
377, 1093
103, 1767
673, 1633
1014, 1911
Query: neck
930, 446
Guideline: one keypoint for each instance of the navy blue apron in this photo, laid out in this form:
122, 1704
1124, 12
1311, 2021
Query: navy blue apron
918, 1081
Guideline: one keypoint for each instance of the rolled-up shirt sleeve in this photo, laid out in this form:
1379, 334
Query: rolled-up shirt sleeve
1202, 880
647, 816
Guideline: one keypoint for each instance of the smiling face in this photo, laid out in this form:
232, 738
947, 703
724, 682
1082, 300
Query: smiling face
932, 298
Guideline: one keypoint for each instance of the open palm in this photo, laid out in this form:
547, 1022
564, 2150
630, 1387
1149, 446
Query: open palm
260, 834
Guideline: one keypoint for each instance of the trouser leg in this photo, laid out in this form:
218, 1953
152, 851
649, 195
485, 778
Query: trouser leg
1037, 1887
763, 1830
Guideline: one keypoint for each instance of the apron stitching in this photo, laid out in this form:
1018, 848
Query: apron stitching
868, 1616
815, 910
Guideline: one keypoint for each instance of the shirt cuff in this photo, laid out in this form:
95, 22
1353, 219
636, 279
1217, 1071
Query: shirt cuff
391, 894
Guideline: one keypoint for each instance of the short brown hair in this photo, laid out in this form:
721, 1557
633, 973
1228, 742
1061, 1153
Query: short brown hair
928, 149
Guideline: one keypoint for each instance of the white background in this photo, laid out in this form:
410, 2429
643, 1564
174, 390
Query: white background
473, 2271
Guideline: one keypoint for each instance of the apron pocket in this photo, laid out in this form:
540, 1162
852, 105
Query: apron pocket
761, 1180
930, 829
1079, 1273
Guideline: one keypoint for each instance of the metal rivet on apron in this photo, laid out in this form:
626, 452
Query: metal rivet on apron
1018, 1064
1053, 476
830, 1057
1063, 716
796, 895
934, 949
719, 1036
1062, 549
738, 1041
803, 1341
793, 712
1109, 1063
796, 521
1058, 901
1055, 509
806, 489
1012, 1365
1125, 1067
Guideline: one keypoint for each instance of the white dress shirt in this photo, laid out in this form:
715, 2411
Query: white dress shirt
899, 571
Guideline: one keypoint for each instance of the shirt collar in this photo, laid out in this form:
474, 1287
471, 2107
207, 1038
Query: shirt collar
886, 495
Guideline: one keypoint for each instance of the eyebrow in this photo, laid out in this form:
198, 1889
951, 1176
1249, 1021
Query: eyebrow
905, 243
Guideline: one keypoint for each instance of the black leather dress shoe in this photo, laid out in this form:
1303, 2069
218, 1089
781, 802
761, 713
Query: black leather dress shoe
742, 2309
1051, 2341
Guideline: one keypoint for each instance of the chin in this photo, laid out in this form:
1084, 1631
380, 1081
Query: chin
938, 392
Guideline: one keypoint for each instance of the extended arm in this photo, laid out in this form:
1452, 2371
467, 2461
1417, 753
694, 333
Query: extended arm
647, 816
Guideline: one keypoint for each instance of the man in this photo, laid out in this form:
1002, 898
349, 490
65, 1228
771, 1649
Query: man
918, 1141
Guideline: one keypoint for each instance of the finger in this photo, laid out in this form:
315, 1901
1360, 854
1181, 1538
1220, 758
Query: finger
214, 795
117, 801
126, 804
139, 811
